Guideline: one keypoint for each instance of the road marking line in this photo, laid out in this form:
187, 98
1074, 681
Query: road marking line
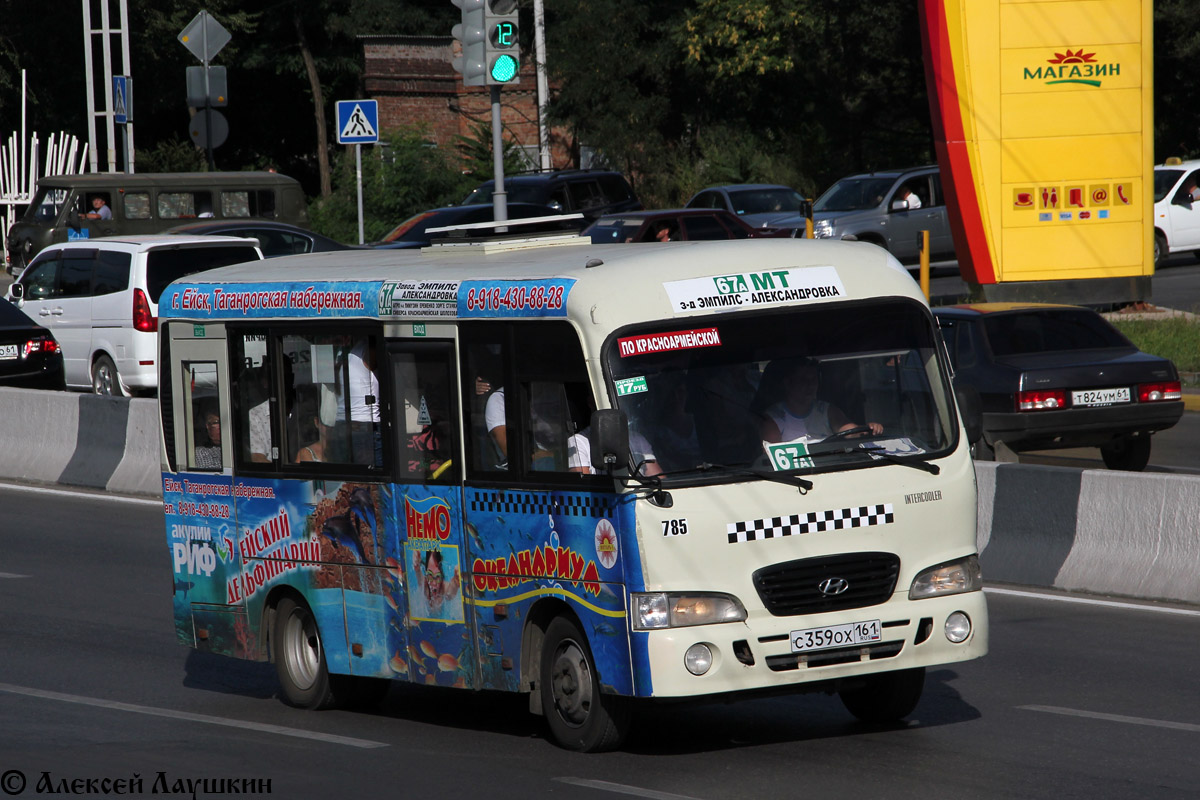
12, 575
186, 715
620, 788
1154, 723
1187, 612
77, 493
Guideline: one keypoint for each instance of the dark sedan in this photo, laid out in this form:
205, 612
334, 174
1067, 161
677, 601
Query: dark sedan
274, 238
680, 224
29, 354
414, 231
1055, 376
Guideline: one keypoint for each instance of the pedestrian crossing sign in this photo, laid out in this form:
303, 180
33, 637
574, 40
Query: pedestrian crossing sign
357, 121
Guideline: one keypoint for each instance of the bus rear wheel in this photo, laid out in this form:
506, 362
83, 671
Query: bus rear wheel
887, 697
579, 715
300, 657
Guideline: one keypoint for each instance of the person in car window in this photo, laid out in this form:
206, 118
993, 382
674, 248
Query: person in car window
906, 193
100, 209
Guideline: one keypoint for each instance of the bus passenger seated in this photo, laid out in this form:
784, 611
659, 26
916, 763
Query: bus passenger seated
800, 414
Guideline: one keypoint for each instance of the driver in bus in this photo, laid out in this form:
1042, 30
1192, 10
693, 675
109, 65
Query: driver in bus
800, 414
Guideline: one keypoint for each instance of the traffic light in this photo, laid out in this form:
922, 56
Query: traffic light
471, 34
502, 52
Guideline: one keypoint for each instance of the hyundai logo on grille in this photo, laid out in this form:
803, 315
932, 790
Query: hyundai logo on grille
833, 586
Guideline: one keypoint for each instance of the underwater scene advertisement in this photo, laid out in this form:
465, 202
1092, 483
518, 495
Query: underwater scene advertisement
401, 587
525, 546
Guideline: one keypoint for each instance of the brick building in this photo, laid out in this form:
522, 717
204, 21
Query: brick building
414, 82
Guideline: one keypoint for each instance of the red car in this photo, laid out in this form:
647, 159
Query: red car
680, 224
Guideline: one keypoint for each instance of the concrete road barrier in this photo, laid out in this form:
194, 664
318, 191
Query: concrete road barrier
1121, 533
80, 440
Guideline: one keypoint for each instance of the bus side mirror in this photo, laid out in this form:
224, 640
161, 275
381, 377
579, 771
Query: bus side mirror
609, 440
970, 406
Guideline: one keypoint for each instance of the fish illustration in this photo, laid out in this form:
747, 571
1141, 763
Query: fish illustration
473, 532
605, 629
447, 663
415, 653
391, 601
184, 586
341, 532
363, 508
399, 664
461, 683
428, 649
431, 679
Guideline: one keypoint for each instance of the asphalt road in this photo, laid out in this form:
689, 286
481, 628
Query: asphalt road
1077, 699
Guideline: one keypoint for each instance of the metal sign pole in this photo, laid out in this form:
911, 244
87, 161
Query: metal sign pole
499, 196
208, 137
358, 173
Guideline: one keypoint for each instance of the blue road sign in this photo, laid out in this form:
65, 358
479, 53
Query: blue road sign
357, 121
122, 99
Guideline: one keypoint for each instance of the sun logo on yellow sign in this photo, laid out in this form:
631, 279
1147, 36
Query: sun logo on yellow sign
1078, 57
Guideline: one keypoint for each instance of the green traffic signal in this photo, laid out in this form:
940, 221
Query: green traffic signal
504, 68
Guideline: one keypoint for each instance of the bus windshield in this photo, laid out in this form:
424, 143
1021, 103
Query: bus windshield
803, 390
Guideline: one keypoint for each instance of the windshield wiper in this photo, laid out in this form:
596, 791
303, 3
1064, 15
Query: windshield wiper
705, 466
915, 463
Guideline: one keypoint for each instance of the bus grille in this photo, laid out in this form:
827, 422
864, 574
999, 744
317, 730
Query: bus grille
793, 587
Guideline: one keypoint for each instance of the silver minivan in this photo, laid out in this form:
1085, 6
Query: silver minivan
888, 208
100, 299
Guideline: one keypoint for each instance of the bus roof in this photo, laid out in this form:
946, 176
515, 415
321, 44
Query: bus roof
610, 285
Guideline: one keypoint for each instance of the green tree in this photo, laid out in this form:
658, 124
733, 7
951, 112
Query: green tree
402, 176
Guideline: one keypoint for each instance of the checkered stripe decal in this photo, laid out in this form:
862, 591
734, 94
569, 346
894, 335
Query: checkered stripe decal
530, 503
813, 522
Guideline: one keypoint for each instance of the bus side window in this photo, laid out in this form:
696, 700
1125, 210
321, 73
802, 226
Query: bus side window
252, 410
553, 379
485, 396
423, 391
204, 415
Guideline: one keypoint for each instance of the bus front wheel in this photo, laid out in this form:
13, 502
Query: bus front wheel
886, 697
300, 657
579, 715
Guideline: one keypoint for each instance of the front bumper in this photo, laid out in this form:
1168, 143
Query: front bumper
913, 636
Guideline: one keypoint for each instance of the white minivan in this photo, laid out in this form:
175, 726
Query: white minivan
1176, 212
100, 298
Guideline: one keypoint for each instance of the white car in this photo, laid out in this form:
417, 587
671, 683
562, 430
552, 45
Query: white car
100, 299
1176, 214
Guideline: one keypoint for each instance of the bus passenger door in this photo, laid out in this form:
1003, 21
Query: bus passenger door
541, 529
429, 639
197, 492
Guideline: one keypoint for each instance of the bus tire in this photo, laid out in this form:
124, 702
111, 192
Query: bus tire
300, 657
579, 715
886, 697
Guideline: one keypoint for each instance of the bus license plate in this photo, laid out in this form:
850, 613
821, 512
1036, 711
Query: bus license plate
835, 636
1100, 397
8, 352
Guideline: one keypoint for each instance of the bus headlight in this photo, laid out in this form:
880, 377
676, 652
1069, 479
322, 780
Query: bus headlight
953, 577
662, 610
